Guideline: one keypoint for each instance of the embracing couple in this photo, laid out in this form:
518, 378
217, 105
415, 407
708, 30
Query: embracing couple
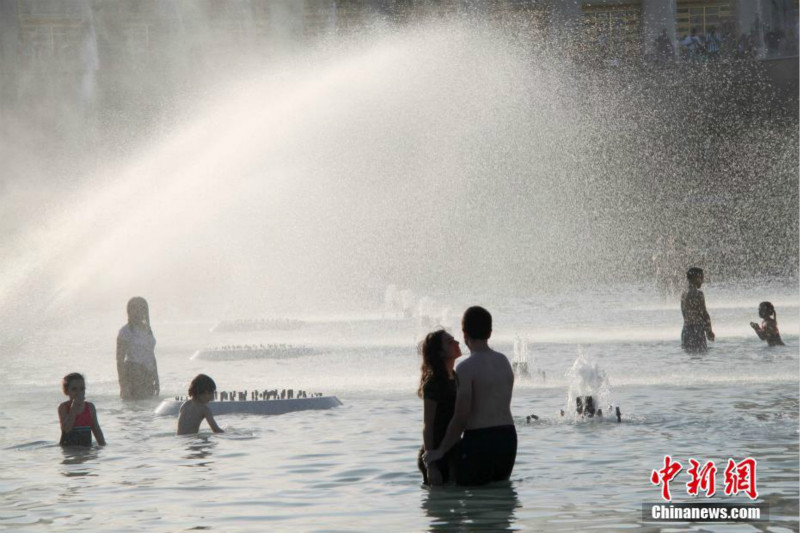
473, 399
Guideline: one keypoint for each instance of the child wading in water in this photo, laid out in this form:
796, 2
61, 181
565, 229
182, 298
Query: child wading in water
768, 330
78, 418
193, 411
696, 322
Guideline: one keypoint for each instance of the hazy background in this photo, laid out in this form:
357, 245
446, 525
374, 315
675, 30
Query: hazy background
228, 162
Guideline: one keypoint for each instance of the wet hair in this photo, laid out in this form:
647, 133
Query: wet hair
694, 273
432, 350
766, 310
477, 323
139, 301
70, 377
200, 384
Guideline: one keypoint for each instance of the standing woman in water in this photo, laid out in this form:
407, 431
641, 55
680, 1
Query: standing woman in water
136, 359
437, 388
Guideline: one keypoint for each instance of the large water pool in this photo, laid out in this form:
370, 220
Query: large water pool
353, 468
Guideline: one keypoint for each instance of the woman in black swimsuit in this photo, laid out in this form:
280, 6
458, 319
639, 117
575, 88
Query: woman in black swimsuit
437, 388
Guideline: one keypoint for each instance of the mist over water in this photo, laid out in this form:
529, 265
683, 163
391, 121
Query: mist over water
338, 196
442, 157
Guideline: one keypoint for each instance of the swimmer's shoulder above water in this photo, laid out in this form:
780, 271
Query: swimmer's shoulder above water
196, 409
768, 330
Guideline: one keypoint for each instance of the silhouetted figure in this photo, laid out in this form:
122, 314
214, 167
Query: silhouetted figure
713, 43
136, 360
692, 45
488, 449
437, 388
768, 330
664, 50
696, 321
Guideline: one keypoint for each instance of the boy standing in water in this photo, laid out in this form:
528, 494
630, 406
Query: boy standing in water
195, 410
696, 321
488, 449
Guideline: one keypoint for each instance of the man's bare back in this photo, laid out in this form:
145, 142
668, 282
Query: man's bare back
491, 379
488, 449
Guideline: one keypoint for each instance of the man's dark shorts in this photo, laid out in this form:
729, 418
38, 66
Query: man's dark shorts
486, 455
693, 338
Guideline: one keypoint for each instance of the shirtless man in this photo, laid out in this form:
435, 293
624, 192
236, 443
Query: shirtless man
696, 321
483, 409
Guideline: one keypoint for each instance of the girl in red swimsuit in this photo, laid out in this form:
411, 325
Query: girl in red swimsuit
78, 418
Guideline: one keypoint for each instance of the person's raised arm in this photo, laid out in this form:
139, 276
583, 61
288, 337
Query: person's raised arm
98, 433
66, 419
760, 332
459, 421
211, 422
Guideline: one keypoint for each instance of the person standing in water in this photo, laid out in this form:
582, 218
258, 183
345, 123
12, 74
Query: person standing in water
696, 321
77, 417
437, 388
768, 330
488, 449
136, 359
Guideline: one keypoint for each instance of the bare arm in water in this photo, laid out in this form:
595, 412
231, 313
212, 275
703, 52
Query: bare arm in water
98, 433
706, 318
122, 349
429, 420
460, 417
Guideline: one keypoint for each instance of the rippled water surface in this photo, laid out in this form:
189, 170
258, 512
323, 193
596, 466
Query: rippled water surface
353, 468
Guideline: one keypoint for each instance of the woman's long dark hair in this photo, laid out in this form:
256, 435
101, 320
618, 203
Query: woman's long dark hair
431, 349
133, 302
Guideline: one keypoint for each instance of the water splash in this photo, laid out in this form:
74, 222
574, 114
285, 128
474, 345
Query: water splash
521, 362
327, 173
586, 379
